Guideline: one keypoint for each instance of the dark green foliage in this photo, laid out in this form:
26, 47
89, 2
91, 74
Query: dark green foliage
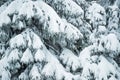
2, 2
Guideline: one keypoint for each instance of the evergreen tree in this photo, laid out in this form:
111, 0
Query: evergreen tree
59, 40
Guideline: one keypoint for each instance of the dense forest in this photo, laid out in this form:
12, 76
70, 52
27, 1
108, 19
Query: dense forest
59, 39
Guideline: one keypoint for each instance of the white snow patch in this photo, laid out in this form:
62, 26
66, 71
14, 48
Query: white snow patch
40, 55
72, 32
53, 20
17, 41
3, 65
14, 55
27, 37
112, 42
70, 59
105, 68
48, 70
4, 19
96, 14
23, 76
36, 41
34, 73
27, 57
85, 55
6, 75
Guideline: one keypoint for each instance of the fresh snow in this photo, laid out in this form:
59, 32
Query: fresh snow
40, 55
4, 19
112, 43
85, 55
67, 9
96, 14
14, 55
54, 21
106, 69
72, 33
70, 27
12, 8
4, 64
48, 70
36, 41
70, 60
17, 41
6, 75
27, 57
34, 73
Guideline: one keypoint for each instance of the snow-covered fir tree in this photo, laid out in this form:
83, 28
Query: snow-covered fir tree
60, 40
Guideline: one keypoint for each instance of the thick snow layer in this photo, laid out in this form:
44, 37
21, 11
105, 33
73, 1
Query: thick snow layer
24, 13
4, 19
70, 60
112, 42
113, 15
85, 55
4, 64
36, 41
68, 6
17, 7
44, 14
98, 33
26, 10
40, 55
105, 69
57, 71
17, 41
3, 7
88, 69
20, 25
102, 29
96, 14
106, 43
88, 63
6, 75
72, 33
48, 70
92, 38
67, 9
14, 55
100, 69
27, 57
68, 76
73, 8
14, 18
23, 76
54, 22
12, 8
96, 8
27, 37
30, 10
34, 73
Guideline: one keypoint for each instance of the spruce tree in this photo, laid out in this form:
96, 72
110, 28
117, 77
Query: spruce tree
59, 40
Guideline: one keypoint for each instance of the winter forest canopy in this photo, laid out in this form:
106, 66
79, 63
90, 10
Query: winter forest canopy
59, 39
